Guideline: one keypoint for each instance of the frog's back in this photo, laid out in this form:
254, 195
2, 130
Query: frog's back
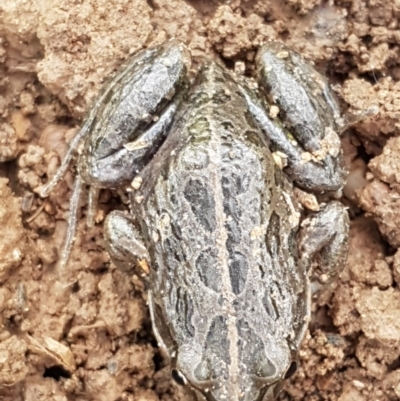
221, 229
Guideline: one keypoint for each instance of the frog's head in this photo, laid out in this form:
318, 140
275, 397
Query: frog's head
253, 370
253, 391
243, 387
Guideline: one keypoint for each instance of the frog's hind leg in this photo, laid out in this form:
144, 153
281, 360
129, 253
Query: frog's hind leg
121, 167
309, 142
72, 224
323, 243
86, 128
311, 174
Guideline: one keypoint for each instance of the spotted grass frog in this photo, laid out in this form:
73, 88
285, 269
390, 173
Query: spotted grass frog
216, 229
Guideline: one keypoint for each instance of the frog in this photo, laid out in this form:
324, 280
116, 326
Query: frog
229, 255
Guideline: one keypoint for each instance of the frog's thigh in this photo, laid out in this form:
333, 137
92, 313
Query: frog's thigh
124, 243
323, 238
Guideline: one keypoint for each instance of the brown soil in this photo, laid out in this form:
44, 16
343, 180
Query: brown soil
83, 334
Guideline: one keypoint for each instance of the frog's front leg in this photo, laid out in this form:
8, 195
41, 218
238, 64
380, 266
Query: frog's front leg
128, 252
125, 244
323, 243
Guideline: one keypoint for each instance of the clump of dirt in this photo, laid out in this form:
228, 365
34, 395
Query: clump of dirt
84, 333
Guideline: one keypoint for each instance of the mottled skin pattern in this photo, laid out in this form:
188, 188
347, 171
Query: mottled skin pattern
215, 230
221, 225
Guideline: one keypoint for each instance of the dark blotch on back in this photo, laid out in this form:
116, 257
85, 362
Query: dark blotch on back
184, 308
173, 253
199, 195
238, 272
207, 268
273, 233
228, 126
234, 234
231, 208
231, 187
199, 98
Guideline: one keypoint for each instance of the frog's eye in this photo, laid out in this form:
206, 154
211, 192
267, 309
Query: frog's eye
178, 377
291, 370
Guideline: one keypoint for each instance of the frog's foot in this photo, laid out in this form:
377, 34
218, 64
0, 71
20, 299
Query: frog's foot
124, 243
323, 243
309, 141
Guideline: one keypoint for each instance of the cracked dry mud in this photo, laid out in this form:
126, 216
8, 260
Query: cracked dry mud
84, 334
